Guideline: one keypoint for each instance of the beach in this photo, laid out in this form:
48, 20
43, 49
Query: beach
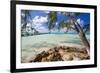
33, 45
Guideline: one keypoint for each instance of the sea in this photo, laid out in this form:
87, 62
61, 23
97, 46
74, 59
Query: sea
30, 44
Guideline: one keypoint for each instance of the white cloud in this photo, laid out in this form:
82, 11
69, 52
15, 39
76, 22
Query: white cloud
39, 23
80, 21
39, 20
43, 29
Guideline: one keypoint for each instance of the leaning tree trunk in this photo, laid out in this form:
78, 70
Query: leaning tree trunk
84, 41
82, 35
83, 38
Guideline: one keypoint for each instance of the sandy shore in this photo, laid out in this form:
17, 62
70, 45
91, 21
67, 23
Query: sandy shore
35, 51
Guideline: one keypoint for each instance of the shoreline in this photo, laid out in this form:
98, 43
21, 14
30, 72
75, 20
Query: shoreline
39, 50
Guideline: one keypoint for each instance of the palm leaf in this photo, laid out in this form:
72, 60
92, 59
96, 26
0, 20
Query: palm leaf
63, 24
52, 18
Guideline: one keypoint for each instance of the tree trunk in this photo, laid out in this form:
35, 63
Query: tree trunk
85, 41
82, 36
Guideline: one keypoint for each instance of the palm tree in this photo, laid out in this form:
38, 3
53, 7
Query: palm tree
52, 18
25, 19
71, 24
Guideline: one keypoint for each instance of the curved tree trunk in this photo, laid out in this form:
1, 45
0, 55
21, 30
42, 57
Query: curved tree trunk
82, 36
84, 41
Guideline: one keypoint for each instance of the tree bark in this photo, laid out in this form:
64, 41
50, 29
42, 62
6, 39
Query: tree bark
84, 40
82, 36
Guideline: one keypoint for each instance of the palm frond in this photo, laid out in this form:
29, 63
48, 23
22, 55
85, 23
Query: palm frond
63, 24
52, 18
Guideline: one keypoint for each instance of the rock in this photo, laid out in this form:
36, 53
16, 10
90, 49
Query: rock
61, 53
82, 56
50, 57
67, 57
44, 54
44, 59
38, 58
50, 51
57, 57
83, 50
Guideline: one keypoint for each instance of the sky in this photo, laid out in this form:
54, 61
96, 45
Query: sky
39, 20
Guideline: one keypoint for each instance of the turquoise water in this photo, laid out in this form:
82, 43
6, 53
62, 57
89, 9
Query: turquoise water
49, 40
32, 45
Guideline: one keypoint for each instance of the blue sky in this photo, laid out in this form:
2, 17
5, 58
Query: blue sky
39, 20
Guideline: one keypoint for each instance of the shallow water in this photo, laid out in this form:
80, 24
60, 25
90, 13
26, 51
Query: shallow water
49, 40
31, 44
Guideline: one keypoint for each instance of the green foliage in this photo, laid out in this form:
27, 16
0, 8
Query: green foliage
63, 24
77, 14
70, 14
52, 18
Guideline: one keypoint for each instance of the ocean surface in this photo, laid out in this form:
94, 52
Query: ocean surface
49, 40
30, 44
